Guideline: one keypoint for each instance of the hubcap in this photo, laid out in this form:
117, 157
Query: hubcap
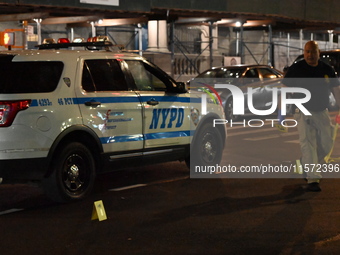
74, 172
74, 175
208, 150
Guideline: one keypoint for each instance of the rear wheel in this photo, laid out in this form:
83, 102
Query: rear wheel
73, 173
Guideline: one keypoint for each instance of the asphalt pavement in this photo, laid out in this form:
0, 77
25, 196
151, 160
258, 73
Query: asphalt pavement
161, 210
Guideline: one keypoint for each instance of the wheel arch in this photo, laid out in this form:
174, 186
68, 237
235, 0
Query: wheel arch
78, 133
215, 147
209, 118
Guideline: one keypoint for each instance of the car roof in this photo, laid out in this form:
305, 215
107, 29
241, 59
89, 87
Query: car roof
321, 52
65, 55
330, 51
237, 66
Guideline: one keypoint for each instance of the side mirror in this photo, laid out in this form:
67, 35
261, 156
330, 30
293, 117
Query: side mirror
180, 87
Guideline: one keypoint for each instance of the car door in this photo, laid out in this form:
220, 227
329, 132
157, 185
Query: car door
109, 107
270, 79
166, 114
252, 80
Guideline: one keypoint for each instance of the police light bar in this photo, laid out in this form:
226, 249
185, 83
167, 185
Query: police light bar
63, 40
48, 41
100, 38
72, 44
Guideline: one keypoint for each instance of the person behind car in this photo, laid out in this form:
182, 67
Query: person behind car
315, 130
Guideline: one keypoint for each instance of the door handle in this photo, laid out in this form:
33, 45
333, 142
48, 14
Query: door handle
152, 102
92, 103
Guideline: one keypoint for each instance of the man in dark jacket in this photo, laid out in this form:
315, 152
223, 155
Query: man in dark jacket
315, 130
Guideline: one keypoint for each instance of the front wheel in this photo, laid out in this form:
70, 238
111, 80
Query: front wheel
207, 148
228, 110
73, 173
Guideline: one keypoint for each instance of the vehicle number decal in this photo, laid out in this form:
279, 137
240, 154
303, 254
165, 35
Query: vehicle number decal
44, 102
65, 101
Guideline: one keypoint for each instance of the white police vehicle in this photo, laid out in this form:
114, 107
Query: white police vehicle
67, 115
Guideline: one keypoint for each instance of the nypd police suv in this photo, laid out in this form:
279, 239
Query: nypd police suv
67, 115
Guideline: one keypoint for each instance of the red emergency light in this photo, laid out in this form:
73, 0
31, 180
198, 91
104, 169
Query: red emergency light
7, 38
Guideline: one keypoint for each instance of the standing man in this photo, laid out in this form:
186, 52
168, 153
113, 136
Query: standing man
315, 130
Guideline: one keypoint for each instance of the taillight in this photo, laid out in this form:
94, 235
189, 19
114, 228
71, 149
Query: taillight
9, 109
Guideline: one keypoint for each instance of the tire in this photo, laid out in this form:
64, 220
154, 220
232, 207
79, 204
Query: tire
228, 110
207, 148
289, 107
73, 173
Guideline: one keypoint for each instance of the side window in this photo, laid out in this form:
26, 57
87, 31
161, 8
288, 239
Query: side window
208, 74
268, 73
251, 73
146, 79
35, 77
251, 76
103, 75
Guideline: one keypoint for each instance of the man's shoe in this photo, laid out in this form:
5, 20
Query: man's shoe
313, 187
304, 176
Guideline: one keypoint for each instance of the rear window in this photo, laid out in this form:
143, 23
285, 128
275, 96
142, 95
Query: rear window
29, 77
329, 58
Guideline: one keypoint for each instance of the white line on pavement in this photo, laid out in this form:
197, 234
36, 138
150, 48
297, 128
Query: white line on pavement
128, 187
10, 211
151, 183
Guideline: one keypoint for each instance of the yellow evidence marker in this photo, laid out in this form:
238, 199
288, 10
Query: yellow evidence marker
98, 211
281, 128
328, 158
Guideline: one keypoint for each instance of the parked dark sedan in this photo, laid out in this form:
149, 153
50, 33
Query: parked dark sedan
261, 78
